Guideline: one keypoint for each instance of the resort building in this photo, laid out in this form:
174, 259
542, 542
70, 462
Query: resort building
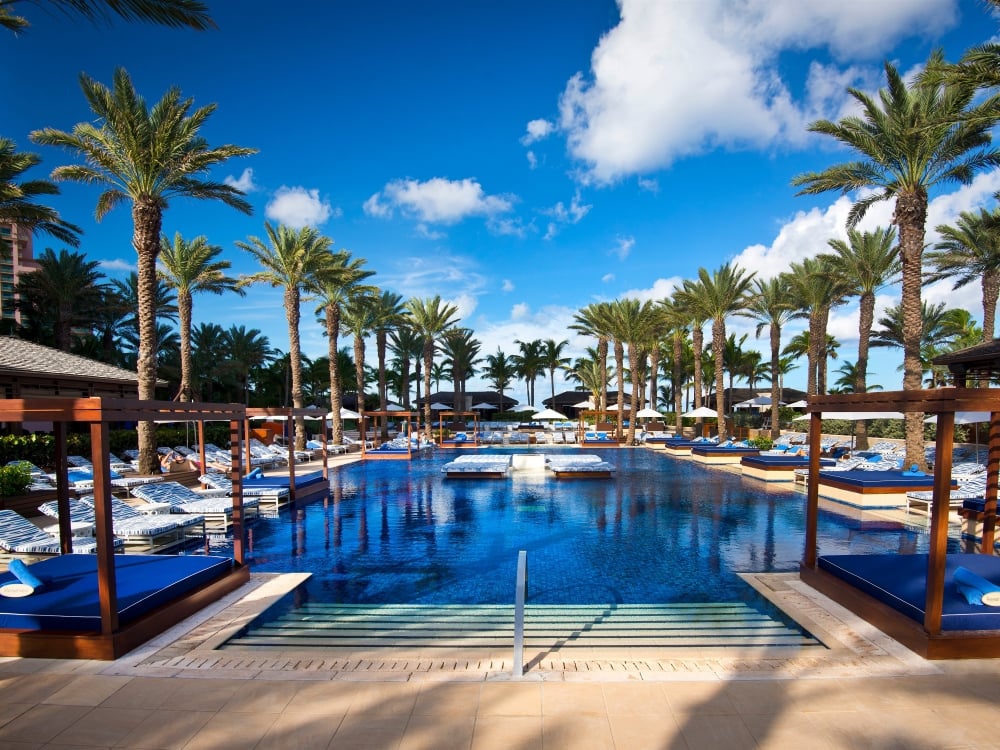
17, 258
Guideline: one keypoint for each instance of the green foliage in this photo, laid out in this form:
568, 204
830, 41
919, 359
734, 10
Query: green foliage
14, 479
761, 442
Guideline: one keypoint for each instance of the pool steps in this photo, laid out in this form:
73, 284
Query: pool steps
492, 626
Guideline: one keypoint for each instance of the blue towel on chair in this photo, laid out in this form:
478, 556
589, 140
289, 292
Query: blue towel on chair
989, 592
914, 472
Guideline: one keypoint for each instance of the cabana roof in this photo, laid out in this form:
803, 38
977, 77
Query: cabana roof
981, 361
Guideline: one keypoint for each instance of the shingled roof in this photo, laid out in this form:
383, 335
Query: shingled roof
981, 360
27, 368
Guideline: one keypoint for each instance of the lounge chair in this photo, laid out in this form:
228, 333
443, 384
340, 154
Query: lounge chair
139, 532
974, 489
19, 536
218, 510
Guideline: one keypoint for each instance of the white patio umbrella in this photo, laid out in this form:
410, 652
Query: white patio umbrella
800, 404
647, 412
394, 407
345, 413
588, 404
701, 411
854, 416
965, 417
483, 406
549, 414
616, 407
268, 418
440, 407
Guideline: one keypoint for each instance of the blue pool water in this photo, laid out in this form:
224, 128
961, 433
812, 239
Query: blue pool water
661, 530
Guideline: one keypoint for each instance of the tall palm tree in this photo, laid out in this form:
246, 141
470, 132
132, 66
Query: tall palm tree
430, 318
867, 263
190, 13
144, 156
553, 359
595, 320
407, 347
387, 312
719, 295
769, 304
208, 349
17, 196
500, 371
191, 267
64, 292
695, 322
461, 356
529, 364
637, 327
939, 327
358, 320
337, 286
675, 320
291, 259
913, 138
815, 290
970, 251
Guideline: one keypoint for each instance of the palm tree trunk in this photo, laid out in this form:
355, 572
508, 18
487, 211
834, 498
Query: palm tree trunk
147, 219
295, 362
824, 350
718, 347
620, 367
359, 370
636, 365
654, 366
602, 355
866, 320
428, 364
812, 356
677, 376
184, 313
775, 380
911, 217
383, 390
336, 389
991, 290
698, 342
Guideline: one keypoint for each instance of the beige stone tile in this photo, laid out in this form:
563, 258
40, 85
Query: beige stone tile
576, 699
507, 732
201, 695
638, 732
791, 730
166, 730
229, 731
87, 690
424, 732
510, 699
635, 699
41, 723
369, 733
716, 732
145, 692
384, 699
261, 697
448, 699
103, 727
322, 697
32, 688
300, 731
566, 732
10, 711
698, 698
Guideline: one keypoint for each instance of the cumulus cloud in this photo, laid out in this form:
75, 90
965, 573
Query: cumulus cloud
563, 214
537, 130
661, 289
244, 182
634, 113
623, 246
437, 200
299, 207
532, 160
507, 286
117, 266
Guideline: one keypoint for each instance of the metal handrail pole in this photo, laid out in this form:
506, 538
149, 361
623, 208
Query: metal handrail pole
520, 594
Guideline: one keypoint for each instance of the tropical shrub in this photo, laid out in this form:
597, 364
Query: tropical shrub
14, 479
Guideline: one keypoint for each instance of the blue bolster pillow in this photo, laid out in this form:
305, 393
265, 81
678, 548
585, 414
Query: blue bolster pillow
256, 473
989, 592
27, 582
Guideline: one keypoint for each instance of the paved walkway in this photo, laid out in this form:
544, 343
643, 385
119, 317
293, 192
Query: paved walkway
181, 691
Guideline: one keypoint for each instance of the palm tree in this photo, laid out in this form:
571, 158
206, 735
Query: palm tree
529, 364
407, 346
553, 359
500, 371
675, 319
176, 13
208, 349
595, 320
848, 383
913, 138
636, 325
64, 292
127, 291
387, 312
815, 290
970, 251
430, 318
291, 259
337, 286
461, 355
191, 267
718, 295
144, 156
17, 197
591, 373
768, 303
938, 329
358, 319
247, 350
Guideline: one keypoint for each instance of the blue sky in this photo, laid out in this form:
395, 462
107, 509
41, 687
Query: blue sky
520, 159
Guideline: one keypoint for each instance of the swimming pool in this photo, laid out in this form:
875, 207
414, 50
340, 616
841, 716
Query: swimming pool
661, 530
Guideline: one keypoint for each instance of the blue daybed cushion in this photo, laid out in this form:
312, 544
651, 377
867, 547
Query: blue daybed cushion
900, 582
68, 601
795, 462
270, 482
860, 478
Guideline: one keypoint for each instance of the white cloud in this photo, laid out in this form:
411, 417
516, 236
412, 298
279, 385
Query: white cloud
244, 182
422, 230
532, 160
634, 112
507, 286
623, 246
649, 184
563, 214
507, 226
608, 278
661, 289
118, 265
437, 200
299, 207
537, 130
454, 277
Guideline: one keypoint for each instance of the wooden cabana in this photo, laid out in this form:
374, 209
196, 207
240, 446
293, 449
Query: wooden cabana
288, 416
465, 416
937, 625
175, 594
410, 418
606, 420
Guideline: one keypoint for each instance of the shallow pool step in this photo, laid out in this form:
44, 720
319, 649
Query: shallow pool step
492, 626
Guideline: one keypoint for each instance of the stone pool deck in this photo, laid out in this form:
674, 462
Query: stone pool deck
178, 691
